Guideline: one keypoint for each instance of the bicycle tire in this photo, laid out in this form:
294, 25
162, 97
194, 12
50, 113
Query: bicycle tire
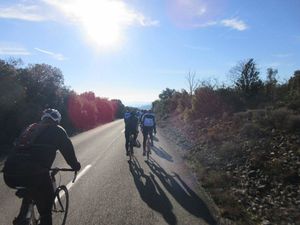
60, 205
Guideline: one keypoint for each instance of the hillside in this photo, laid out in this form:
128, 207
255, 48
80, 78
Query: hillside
248, 162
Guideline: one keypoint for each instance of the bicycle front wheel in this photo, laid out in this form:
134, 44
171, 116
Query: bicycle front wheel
60, 205
33, 220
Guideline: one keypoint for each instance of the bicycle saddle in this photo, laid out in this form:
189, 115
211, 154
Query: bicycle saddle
21, 192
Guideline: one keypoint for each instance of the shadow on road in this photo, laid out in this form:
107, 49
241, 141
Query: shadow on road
185, 196
155, 138
151, 192
162, 153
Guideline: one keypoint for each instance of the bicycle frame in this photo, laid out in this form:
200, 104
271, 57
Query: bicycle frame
131, 144
30, 214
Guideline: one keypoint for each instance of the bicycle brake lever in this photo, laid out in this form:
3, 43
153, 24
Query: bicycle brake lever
75, 175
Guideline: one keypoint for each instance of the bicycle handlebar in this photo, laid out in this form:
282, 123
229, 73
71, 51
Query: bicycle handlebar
56, 170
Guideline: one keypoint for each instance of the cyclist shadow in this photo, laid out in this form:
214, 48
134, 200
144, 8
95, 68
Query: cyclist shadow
162, 153
183, 194
151, 192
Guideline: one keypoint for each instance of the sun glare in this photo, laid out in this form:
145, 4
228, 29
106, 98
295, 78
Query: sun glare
103, 21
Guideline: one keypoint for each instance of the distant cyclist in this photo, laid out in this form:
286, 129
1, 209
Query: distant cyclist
126, 115
131, 127
33, 155
148, 125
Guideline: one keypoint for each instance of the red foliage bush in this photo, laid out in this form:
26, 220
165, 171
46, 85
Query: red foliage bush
87, 111
206, 103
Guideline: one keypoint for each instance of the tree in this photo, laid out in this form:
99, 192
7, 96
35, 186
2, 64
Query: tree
192, 83
119, 108
271, 83
166, 94
294, 85
247, 80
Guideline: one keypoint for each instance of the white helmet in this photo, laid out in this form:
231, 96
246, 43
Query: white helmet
52, 114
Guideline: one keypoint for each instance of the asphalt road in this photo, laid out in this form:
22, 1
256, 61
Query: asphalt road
111, 190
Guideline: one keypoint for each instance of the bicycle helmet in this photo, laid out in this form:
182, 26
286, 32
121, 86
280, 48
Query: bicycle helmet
52, 114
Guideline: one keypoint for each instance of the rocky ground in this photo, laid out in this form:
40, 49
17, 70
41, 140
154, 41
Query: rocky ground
251, 171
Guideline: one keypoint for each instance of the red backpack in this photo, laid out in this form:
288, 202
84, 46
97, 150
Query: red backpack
28, 136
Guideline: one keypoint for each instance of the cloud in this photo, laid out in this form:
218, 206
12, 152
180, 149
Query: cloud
146, 22
282, 55
200, 48
23, 12
273, 64
49, 9
78, 10
13, 50
56, 56
235, 24
207, 24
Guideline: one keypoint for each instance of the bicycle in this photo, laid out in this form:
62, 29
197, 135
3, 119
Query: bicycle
60, 203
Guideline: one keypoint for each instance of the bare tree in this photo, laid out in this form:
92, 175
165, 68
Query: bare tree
192, 82
271, 83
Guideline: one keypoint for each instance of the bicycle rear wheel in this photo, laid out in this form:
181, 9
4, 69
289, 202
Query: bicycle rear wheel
60, 205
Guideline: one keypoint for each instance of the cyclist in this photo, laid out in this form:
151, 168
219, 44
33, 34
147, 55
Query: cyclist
126, 115
33, 154
131, 127
148, 125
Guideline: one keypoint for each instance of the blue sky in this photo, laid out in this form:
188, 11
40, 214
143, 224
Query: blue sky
132, 50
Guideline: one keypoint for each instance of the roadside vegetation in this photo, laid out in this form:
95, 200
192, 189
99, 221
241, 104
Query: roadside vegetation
25, 91
242, 141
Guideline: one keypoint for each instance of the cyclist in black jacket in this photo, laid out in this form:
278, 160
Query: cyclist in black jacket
148, 125
131, 127
28, 166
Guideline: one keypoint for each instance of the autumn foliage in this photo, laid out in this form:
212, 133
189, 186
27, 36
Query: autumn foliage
87, 111
25, 91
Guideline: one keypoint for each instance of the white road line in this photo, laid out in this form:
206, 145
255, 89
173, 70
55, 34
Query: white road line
69, 185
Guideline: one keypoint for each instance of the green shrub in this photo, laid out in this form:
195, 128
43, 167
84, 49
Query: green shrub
293, 123
251, 130
215, 179
188, 115
241, 117
294, 105
278, 118
206, 103
229, 149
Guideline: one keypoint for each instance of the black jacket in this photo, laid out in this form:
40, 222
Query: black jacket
39, 156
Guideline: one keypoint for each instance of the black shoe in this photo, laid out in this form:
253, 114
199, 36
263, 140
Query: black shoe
144, 153
18, 221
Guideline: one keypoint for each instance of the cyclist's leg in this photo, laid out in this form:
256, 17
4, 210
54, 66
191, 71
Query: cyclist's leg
135, 133
145, 133
21, 181
23, 210
127, 134
44, 197
151, 135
